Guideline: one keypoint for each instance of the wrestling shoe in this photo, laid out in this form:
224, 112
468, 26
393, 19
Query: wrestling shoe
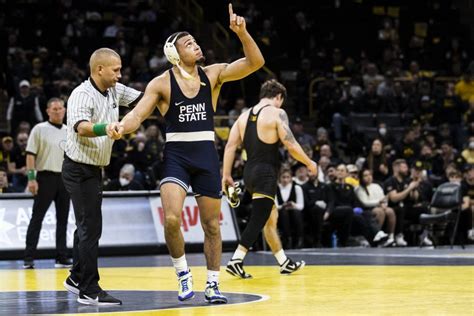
213, 295
185, 285
289, 266
235, 267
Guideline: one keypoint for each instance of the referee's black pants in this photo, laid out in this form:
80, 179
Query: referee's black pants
84, 184
50, 188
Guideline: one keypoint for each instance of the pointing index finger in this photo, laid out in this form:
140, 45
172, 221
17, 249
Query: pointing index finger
231, 12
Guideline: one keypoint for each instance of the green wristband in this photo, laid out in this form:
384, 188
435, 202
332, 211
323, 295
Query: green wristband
31, 174
100, 129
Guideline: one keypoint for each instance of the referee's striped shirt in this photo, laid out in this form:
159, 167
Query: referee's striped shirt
46, 143
88, 103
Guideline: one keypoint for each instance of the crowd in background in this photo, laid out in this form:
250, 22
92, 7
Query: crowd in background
392, 111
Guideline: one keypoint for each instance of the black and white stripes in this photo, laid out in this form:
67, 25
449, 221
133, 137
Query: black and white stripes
86, 103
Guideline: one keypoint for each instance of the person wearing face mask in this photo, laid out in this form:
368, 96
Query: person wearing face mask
125, 182
384, 135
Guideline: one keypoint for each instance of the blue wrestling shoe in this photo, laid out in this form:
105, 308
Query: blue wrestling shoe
185, 286
213, 295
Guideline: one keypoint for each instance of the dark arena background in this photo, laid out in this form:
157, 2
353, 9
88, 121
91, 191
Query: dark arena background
376, 89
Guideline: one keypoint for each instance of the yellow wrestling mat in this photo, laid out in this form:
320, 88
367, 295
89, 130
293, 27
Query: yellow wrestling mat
316, 290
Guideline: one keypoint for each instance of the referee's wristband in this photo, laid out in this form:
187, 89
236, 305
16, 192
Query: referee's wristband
31, 174
100, 129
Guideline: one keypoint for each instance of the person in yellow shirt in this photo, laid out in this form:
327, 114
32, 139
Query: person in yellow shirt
468, 153
464, 88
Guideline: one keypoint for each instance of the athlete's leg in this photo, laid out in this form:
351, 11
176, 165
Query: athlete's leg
209, 213
287, 266
271, 233
172, 198
261, 210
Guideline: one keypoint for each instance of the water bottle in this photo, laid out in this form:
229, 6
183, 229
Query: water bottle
334, 240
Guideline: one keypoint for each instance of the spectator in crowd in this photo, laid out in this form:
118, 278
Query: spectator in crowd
466, 220
377, 161
18, 168
4, 185
303, 138
375, 202
240, 106
7, 158
340, 213
318, 201
408, 148
406, 197
464, 88
24, 106
290, 204
352, 175
112, 30
126, 181
301, 174
468, 153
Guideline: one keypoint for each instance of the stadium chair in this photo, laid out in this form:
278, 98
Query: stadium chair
390, 119
357, 120
445, 208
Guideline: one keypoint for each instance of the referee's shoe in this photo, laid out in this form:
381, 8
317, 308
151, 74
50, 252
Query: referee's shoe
71, 285
101, 299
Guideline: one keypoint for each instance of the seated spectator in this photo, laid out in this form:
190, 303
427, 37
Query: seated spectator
345, 210
397, 188
125, 181
323, 164
301, 174
466, 220
303, 138
4, 186
317, 202
408, 148
240, 106
468, 153
408, 196
375, 202
353, 175
432, 164
377, 161
25, 106
19, 178
290, 203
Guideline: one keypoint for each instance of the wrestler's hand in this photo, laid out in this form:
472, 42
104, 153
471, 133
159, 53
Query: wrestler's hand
236, 23
227, 181
112, 130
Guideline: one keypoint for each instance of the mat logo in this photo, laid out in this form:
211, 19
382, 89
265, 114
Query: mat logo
4, 228
189, 217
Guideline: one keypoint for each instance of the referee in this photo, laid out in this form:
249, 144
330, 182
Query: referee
92, 115
44, 158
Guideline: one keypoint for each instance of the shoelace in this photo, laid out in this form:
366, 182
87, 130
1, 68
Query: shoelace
213, 285
184, 284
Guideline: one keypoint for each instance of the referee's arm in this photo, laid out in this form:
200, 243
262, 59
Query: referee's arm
85, 129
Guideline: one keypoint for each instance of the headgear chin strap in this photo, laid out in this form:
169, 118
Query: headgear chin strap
172, 55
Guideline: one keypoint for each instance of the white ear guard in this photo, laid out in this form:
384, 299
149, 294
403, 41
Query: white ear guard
170, 50
172, 55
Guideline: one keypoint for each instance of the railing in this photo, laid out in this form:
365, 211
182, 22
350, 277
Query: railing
314, 82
